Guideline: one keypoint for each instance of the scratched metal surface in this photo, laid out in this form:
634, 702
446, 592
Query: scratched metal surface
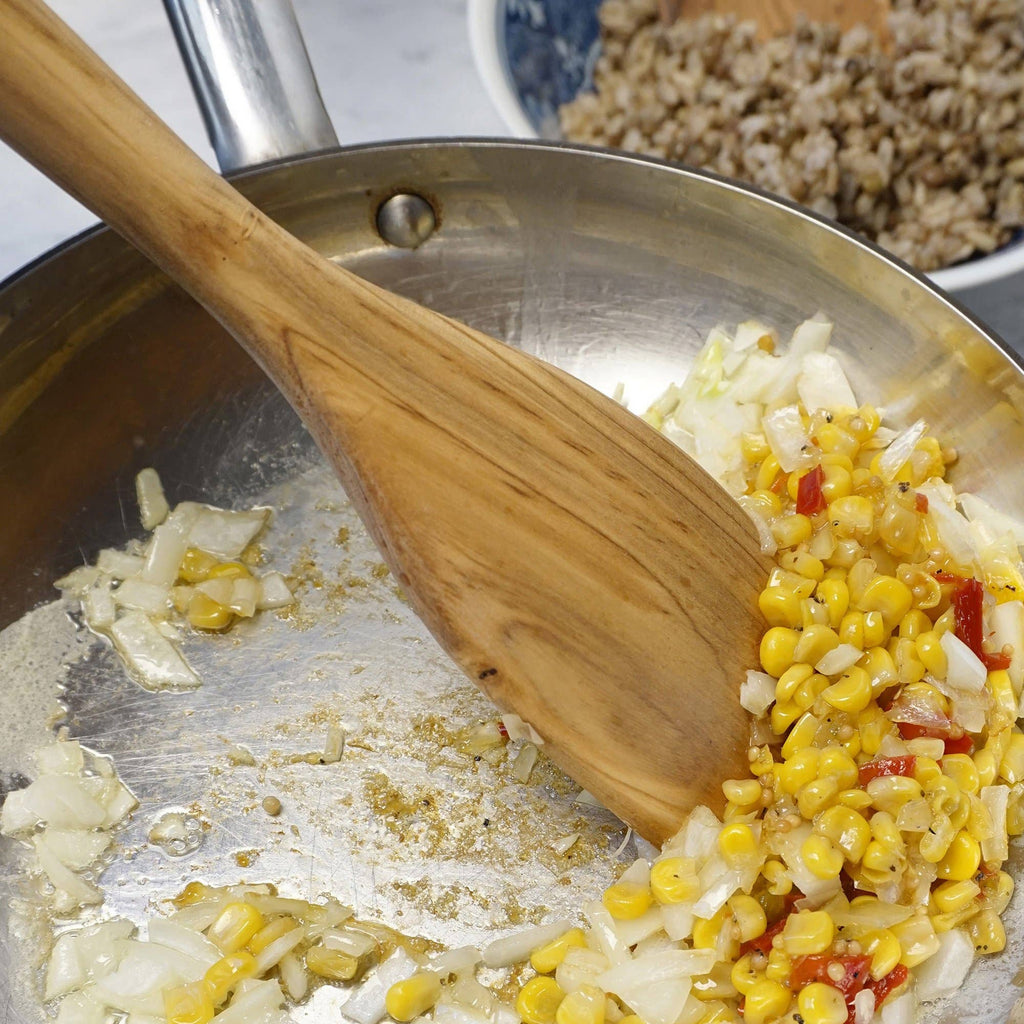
614, 268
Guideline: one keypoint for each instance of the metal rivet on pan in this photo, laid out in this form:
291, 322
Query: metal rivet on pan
406, 220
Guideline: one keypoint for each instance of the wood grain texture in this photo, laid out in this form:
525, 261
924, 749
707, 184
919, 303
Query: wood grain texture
774, 16
575, 564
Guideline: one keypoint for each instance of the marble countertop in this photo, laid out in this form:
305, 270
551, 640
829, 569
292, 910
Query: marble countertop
386, 70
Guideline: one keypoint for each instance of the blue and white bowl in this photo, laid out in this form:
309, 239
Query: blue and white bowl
535, 55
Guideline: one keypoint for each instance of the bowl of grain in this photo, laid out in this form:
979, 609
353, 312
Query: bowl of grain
918, 146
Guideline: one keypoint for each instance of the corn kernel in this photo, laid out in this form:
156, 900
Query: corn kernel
834, 438
743, 976
822, 1004
195, 566
627, 901
783, 715
332, 964
790, 530
777, 877
851, 630
823, 859
890, 792
962, 858
987, 932
766, 473
673, 880
754, 446
193, 893
807, 932
795, 772
766, 502
884, 949
766, 1001
226, 973
229, 571
852, 516
538, 1000
987, 766
791, 680
737, 843
855, 799
742, 791
546, 958
780, 607
749, 916
705, 931
801, 735
951, 897
814, 644
803, 564
931, 654
960, 768
236, 925
846, 829
838, 481
835, 595
851, 692
889, 596
813, 613
917, 939
927, 770
816, 796
777, 647
408, 999
188, 1004
1011, 767
584, 1006
809, 691
270, 932
205, 613
1002, 692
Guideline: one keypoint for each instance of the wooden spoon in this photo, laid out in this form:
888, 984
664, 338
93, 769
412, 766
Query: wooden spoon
775, 16
579, 567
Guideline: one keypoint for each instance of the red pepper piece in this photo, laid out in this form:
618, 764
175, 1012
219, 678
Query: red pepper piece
994, 662
809, 499
961, 745
947, 577
967, 604
763, 943
920, 502
883, 987
886, 766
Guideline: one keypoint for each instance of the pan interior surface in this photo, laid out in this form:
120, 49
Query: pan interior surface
613, 268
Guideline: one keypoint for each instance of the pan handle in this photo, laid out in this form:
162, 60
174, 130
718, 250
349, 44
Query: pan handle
252, 77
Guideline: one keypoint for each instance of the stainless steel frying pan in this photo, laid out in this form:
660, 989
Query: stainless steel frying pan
612, 266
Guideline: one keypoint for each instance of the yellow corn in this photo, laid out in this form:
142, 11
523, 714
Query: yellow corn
838, 481
888, 596
795, 772
814, 644
270, 932
822, 857
188, 1004
909, 667
935, 843
777, 647
766, 1001
584, 1006
807, 932
838, 764
1011, 767
987, 932
790, 530
749, 916
914, 624
803, 564
852, 516
809, 691
766, 502
780, 607
962, 858
931, 654
851, 692
777, 877
226, 973
917, 939
195, 566
706, 931
754, 446
546, 958
834, 438
812, 613
414, 996
766, 473
816, 796
627, 901
835, 596
538, 1000
884, 949
951, 897
783, 715
743, 976
821, 1004
236, 925
332, 964
673, 880
742, 791
987, 766
801, 735
737, 843
205, 613
846, 829
927, 770
960, 768
891, 792
855, 799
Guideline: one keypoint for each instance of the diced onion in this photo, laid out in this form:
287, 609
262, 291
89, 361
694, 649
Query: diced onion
366, 1004
839, 659
788, 440
226, 534
274, 591
944, 971
995, 799
149, 492
522, 767
863, 1006
517, 729
966, 670
896, 455
757, 692
822, 384
517, 947
152, 657
150, 598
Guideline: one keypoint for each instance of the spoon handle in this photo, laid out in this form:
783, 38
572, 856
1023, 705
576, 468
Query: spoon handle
578, 566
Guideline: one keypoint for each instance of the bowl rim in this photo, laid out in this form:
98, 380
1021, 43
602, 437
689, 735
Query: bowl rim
487, 44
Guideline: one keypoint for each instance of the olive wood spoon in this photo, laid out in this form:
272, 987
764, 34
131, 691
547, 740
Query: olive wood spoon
775, 16
579, 567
